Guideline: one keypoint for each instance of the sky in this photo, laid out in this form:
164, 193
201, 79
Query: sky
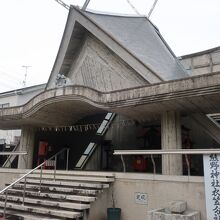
31, 31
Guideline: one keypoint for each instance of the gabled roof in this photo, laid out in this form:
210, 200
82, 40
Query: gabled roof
133, 39
143, 39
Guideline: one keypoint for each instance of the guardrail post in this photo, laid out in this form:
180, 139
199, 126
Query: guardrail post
6, 197
55, 167
153, 162
67, 158
25, 181
41, 172
123, 163
187, 163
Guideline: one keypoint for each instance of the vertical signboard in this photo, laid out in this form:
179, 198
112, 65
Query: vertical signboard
212, 185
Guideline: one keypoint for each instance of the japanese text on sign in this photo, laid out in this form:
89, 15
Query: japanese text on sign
212, 185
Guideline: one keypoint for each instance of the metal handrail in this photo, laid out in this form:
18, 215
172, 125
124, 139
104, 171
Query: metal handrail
170, 151
164, 152
31, 171
13, 153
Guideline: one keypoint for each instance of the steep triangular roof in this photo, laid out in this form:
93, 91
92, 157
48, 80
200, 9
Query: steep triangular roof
133, 39
143, 39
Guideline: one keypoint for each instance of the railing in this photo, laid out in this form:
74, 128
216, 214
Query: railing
9, 154
5, 190
17, 153
9, 160
184, 152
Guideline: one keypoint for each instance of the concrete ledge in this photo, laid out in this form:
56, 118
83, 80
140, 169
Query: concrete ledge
12, 170
90, 100
117, 175
158, 177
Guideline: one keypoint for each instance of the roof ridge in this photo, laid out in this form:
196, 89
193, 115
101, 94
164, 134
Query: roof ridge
113, 14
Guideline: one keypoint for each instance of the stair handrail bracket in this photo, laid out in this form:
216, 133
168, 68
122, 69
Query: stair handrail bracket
40, 166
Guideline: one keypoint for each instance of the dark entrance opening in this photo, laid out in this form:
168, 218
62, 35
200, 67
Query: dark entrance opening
76, 141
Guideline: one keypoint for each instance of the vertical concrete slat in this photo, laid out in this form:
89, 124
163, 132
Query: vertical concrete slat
26, 144
171, 139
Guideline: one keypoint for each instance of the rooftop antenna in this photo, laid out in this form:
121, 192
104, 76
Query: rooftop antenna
152, 8
25, 75
85, 5
63, 4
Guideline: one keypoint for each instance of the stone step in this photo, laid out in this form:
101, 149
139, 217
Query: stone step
66, 183
41, 210
53, 195
42, 201
77, 173
58, 189
66, 197
75, 178
15, 215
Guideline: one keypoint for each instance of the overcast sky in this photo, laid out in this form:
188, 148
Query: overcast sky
31, 31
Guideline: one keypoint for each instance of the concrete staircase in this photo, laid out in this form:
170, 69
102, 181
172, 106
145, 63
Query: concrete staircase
67, 197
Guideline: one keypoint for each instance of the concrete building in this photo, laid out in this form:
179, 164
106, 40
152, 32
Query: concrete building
122, 65
16, 98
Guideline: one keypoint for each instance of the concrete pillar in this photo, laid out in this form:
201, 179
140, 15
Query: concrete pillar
171, 139
26, 144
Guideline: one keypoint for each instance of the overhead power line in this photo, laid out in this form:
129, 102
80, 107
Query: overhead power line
7, 85
11, 76
68, 7
132, 6
63, 4
152, 8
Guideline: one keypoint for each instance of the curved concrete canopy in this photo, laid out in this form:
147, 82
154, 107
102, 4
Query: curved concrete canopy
65, 105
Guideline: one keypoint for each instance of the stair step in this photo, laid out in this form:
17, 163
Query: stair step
77, 173
66, 197
53, 195
65, 183
58, 189
41, 210
68, 205
75, 177
26, 216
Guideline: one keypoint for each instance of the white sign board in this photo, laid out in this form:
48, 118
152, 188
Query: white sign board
212, 185
140, 198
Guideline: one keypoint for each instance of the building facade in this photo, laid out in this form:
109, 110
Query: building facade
120, 65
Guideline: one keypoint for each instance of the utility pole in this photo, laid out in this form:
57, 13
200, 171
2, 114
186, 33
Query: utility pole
25, 75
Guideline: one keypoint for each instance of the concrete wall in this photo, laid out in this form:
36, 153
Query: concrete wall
99, 68
9, 175
17, 98
20, 96
202, 62
159, 189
